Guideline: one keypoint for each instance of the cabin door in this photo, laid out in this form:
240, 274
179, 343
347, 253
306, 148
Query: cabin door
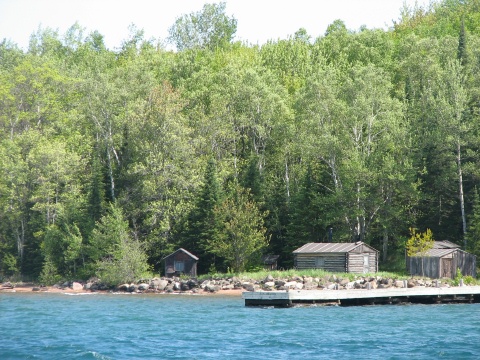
366, 264
446, 268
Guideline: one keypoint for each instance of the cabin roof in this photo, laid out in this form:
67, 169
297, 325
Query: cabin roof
183, 250
311, 248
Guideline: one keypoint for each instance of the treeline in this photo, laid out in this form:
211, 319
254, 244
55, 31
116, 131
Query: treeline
112, 159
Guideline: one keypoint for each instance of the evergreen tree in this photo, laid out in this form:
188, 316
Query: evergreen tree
240, 238
202, 221
462, 45
116, 256
304, 216
473, 234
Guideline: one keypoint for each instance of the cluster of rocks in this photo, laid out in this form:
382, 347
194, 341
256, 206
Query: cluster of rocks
170, 285
167, 285
332, 282
7, 286
337, 283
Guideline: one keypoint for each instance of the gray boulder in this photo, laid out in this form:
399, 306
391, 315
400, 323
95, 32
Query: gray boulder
123, 287
184, 286
248, 286
310, 285
212, 288
269, 278
143, 287
77, 286
290, 285
159, 284
269, 285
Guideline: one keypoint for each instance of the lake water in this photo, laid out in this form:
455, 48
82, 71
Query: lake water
108, 326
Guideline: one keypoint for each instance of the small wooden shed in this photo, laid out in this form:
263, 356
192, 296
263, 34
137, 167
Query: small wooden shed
355, 257
443, 260
181, 262
270, 261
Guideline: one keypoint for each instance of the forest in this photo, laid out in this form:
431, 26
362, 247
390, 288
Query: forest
113, 159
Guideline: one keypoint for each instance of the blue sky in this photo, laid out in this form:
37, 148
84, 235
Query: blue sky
258, 20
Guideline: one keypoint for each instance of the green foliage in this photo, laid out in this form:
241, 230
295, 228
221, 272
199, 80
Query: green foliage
49, 275
473, 233
419, 243
128, 263
206, 29
240, 238
119, 258
8, 264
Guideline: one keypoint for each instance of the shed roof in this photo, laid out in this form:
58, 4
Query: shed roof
329, 247
445, 244
441, 252
183, 250
270, 259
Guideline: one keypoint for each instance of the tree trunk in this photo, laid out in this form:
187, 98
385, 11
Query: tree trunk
287, 181
385, 245
460, 193
110, 174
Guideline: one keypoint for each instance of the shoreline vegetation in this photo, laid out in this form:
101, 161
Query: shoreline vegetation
114, 159
236, 285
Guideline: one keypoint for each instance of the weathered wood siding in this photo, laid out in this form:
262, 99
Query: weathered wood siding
436, 267
338, 262
190, 265
358, 264
333, 262
466, 262
424, 266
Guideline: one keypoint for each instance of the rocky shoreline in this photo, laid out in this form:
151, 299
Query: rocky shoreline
235, 285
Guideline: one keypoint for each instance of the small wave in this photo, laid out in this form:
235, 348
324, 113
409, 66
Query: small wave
96, 355
78, 294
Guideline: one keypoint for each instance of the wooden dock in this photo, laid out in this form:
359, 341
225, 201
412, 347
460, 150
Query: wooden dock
416, 295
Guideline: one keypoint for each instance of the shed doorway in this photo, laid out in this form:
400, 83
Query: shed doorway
446, 268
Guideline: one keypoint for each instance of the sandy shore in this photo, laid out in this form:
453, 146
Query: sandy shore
51, 289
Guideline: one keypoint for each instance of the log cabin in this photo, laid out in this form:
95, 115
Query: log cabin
355, 257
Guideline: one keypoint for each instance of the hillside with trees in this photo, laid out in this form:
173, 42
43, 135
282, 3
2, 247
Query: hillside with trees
112, 159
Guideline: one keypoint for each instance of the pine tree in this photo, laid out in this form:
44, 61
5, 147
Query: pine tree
473, 234
462, 45
303, 227
201, 226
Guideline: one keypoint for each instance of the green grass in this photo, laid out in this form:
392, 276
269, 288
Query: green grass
315, 273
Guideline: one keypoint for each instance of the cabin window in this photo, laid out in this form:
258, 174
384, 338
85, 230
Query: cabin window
366, 267
179, 266
320, 262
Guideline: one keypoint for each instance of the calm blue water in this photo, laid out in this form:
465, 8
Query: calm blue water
101, 326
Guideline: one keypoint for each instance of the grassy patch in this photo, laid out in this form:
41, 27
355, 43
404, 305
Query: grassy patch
315, 273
